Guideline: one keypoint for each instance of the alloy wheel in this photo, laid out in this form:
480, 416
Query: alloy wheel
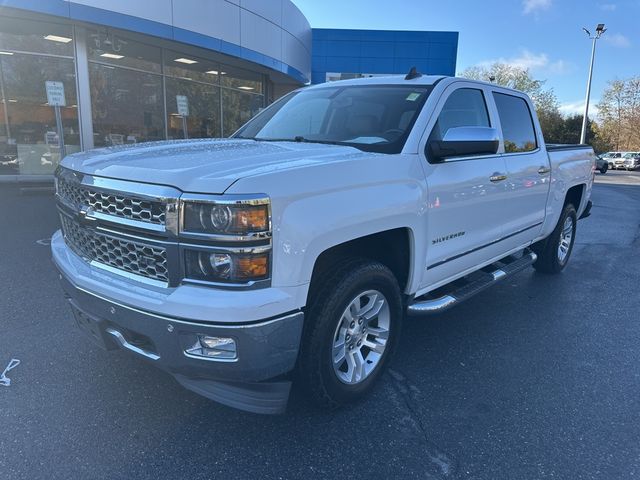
361, 337
565, 239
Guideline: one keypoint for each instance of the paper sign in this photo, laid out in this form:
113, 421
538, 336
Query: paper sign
183, 105
413, 97
55, 94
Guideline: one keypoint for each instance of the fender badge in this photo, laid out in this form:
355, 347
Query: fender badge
447, 237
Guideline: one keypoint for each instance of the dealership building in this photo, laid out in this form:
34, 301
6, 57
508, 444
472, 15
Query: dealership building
81, 74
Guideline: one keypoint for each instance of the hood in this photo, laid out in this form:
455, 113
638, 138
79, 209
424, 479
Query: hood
202, 166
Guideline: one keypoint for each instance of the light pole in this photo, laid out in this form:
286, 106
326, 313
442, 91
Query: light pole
599, 31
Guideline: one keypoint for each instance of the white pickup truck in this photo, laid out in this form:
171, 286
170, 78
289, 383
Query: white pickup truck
293, 250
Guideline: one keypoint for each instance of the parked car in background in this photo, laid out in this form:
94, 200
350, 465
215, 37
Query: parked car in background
602, 164
611, 157
631, 161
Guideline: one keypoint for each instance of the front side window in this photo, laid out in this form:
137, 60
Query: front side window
376, 118
465, 107
517, 124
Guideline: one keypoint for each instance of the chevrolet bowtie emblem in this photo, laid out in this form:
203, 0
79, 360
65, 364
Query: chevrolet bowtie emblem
84, 216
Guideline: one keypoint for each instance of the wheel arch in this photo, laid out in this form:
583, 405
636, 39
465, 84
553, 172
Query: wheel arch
575, 196
393, 248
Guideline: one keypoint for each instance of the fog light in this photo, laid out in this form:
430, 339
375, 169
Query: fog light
215, 348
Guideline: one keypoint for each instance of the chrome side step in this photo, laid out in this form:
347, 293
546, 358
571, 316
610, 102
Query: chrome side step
429, 304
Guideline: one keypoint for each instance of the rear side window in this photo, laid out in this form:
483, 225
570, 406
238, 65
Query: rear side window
517, 124
465, 107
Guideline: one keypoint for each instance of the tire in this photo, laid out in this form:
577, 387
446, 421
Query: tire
332, 317
604, 169
554, 252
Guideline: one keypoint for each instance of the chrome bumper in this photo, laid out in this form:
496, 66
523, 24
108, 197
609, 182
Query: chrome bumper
265, 349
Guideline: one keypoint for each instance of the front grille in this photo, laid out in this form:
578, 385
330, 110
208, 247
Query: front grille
109, 203
134, 257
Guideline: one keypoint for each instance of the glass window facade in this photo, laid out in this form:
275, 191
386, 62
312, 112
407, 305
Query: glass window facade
32, 53
35, 37
126, 105
134, 90
105, 46
203, 102
238, 108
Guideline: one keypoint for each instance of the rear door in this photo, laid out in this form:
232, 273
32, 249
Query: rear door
528, 169
463, 216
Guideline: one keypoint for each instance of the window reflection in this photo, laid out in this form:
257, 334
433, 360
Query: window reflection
241, 79
204, 109
107, 46
517, 123
190, 67
29, 142
35, 37
126, 105
238, 108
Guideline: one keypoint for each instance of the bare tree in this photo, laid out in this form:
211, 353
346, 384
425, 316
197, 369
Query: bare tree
619, 109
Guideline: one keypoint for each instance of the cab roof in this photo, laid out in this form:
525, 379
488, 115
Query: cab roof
387, 80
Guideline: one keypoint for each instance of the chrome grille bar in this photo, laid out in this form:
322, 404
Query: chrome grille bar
111, 203
131, 256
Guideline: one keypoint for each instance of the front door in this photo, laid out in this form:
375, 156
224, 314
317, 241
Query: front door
466, 194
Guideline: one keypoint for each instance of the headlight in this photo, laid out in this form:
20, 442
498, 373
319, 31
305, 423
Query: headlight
226, 239
214, 217
227, 267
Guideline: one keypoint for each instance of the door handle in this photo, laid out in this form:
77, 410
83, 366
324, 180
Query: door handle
497, 177
544, 170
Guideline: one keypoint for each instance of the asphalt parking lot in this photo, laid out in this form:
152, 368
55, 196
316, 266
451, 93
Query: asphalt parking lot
537, 377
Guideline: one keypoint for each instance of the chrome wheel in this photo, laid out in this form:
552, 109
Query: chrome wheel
565, 240
361, 337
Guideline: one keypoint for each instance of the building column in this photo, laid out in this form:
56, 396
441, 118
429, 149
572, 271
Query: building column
85, 118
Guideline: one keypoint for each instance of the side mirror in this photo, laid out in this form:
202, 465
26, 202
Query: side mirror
464, 141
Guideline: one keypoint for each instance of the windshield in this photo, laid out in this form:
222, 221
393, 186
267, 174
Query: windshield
630, 155
375, 118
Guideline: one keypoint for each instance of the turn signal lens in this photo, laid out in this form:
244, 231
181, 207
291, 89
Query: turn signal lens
254, 219
254, 266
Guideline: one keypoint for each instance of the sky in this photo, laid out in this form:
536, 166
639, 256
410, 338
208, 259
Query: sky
545, 36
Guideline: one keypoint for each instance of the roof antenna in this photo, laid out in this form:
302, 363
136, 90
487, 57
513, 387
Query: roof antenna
413, 73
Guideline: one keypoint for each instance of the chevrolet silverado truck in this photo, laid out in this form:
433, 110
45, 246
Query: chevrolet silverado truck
292, 251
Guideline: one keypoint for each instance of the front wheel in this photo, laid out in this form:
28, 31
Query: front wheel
554, 252
352, 327
604, 169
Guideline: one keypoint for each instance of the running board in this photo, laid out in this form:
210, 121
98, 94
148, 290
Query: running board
502, 269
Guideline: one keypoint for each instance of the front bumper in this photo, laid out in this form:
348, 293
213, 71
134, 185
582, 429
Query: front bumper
265, 349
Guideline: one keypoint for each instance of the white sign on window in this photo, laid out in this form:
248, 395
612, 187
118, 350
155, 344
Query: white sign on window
183, 105
55, 94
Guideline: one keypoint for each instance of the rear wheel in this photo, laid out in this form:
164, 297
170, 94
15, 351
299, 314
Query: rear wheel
604, 169
554, 252
352, 327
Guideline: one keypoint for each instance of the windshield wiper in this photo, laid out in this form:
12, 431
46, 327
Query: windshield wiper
298, 139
